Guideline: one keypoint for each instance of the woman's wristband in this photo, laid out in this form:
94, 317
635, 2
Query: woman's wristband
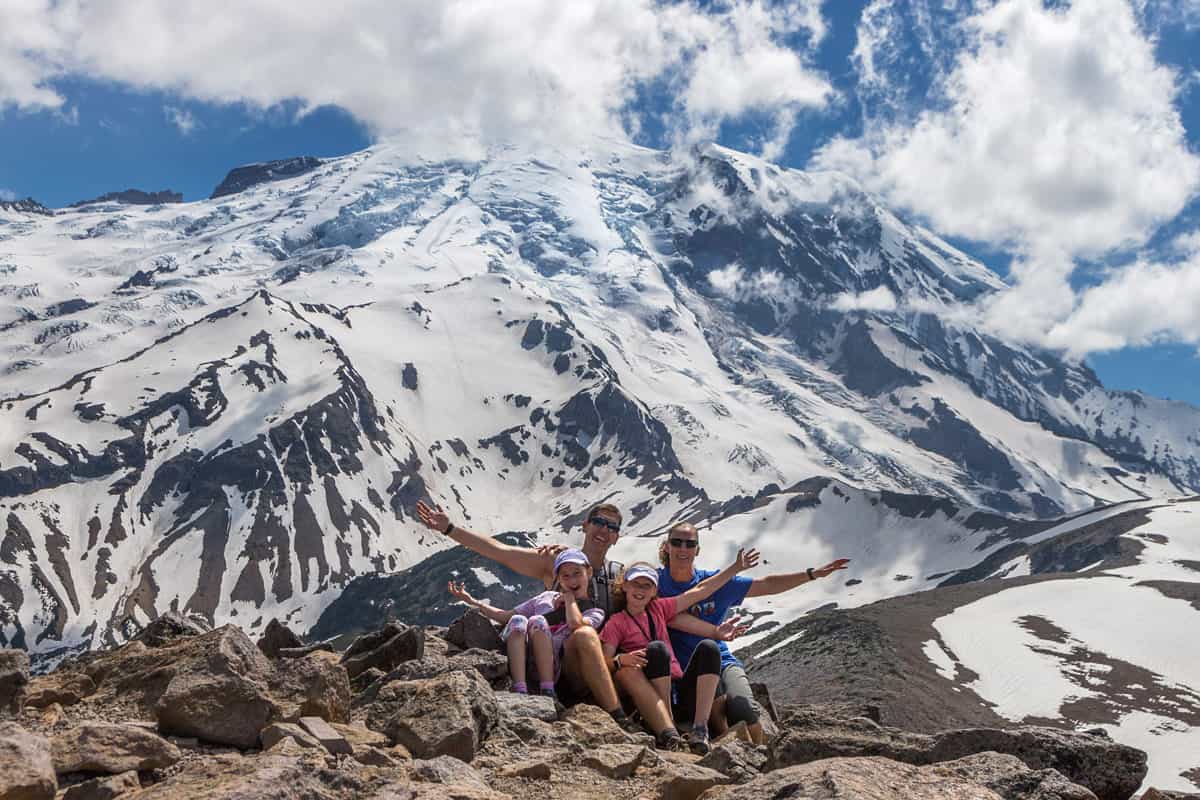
811, 576
450, 527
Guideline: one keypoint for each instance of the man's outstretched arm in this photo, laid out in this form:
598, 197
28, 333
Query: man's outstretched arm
785, 582
523, 560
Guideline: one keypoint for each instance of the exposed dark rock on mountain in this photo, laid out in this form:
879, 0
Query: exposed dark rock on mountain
242, 178
26, 206
135, 197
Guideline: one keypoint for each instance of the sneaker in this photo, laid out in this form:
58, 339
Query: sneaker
671, 741
698, 740
551, 694
626, 723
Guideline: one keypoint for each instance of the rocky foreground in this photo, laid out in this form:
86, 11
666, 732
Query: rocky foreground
409, 712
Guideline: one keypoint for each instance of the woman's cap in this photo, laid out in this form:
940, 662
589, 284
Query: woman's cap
570, 557
642, 571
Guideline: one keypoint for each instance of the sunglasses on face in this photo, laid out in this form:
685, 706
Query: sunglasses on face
687, 543
615, 527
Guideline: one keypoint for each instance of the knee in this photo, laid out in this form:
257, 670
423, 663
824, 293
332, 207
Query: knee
584, 636
658, 660
708, 657
539, 625
740, 709
518, 624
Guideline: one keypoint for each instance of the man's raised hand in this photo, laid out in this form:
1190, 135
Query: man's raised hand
831, 567
432, 517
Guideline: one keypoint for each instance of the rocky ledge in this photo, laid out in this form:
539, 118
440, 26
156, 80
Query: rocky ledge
408, 712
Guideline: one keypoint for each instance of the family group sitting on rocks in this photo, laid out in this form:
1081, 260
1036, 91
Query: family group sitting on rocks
614, 635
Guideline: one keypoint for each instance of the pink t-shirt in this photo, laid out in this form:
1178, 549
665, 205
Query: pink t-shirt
628, 633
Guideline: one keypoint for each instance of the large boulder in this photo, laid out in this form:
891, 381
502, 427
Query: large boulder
14, 675
105, 787
473, 630
1113, 771
277, 636
313, 686
383, 651
26, 771
111, 748
448, 715
1012, 779
171, 626
870, 778
492, 666
64, 688
738, 759
807, 736
221, 693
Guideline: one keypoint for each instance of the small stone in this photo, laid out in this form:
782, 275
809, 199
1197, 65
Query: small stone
52, 715
615, 761
360, 736
105, 788
738, 732
330, 739
535, 769
374, 757
448, 770
184, 742
273, 734
687, 781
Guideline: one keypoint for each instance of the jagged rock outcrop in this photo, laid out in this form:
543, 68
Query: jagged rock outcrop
242, 178
14, 677
302, 730
135, 197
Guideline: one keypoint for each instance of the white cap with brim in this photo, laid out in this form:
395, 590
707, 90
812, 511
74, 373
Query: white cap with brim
640, 571
570, 557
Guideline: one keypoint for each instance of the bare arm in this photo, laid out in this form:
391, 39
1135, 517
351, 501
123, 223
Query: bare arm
725, 632
746, 559
783, 582
523, 560
575, 619
491, 612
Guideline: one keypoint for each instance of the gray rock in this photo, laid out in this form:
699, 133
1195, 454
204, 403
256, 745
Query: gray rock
14, 675
740, 760
448, 715
300, 652
275, 637
111, 748
64, 688
870, 778
1010, 778
105, 788
223, 697
171, 626
492, 666
1112, 771
513, 706
616, 761
406, 645
448, 770
313, 686
26, 771
276, 732
473, 630
330, 739
811, 737
679, 780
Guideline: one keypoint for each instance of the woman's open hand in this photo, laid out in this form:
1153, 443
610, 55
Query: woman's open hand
746, 559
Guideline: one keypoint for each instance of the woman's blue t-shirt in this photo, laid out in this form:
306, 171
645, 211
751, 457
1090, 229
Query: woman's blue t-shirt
711, 610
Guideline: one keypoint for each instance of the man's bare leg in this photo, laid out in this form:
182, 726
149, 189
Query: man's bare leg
647, 698
583, 657
717, 724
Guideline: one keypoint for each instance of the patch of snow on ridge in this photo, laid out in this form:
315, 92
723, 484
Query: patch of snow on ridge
780, 644
485, 577
1038, 648
940, 659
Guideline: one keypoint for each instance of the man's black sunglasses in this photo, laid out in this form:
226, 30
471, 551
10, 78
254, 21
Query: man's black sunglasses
615, 527
688, 543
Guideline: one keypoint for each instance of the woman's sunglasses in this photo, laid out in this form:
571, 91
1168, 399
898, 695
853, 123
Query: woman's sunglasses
615, 527
686, 543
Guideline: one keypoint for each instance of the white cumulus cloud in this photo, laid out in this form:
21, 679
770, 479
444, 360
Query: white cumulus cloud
880, 298
1055, 134
476, 70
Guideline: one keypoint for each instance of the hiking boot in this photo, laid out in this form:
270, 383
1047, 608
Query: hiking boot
671, 741
698, 741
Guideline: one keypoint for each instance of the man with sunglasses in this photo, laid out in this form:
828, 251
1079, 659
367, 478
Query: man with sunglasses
584, 668
678, 574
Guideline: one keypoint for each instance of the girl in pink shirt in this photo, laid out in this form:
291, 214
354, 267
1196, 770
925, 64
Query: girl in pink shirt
639, 651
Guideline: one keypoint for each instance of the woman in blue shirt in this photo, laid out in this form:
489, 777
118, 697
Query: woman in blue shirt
678, 553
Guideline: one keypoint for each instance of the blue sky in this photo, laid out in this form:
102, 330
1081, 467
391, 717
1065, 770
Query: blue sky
1056, 141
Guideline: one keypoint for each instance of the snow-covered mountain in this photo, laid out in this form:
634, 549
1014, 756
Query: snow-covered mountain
229, 406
